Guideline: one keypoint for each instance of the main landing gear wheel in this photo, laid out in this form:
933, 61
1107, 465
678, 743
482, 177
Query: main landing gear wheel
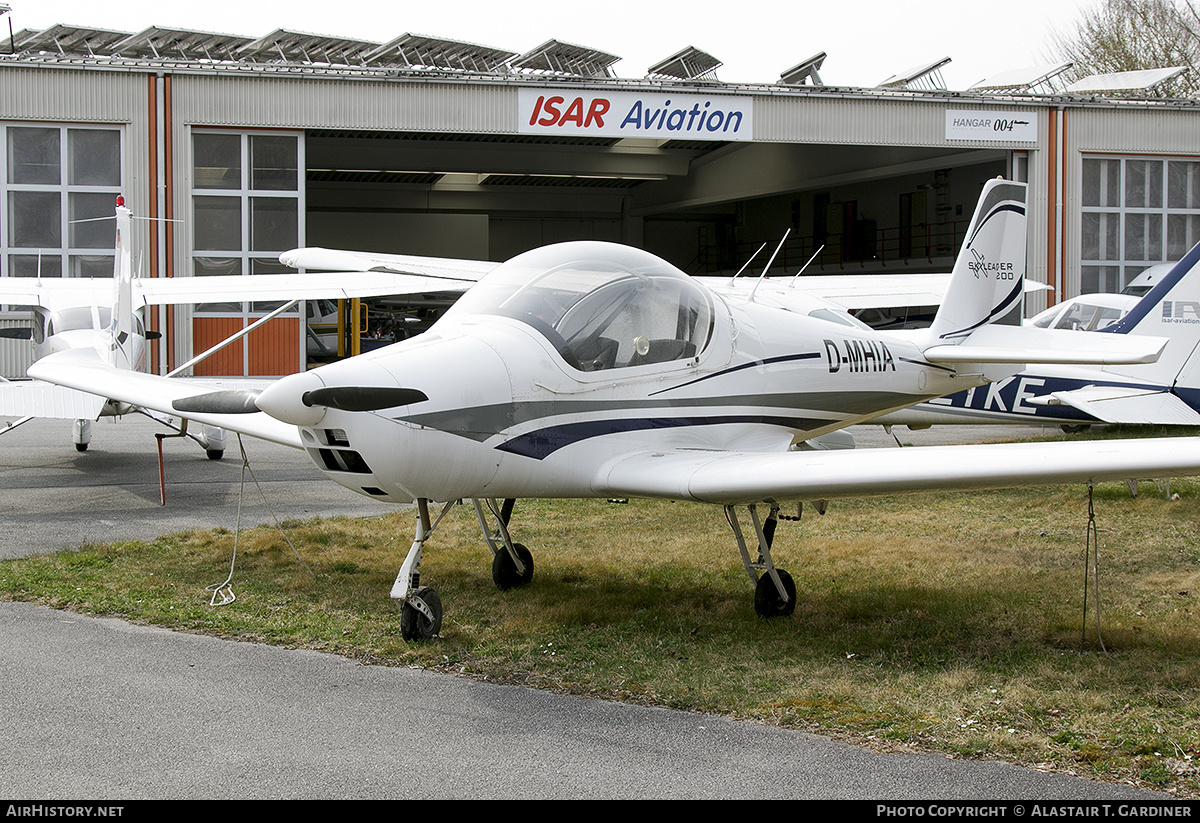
214, 454
414, 623
767, 601
504, 570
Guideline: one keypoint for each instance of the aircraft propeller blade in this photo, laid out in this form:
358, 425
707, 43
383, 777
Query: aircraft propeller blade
230, 401
362, 398
17, 333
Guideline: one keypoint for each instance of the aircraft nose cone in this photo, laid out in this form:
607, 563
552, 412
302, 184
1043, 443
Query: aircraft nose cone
284, 399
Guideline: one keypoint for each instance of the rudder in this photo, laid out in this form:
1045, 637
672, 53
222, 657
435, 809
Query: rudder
987, 284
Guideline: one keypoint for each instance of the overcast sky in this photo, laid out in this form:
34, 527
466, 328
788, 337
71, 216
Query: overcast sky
756, 40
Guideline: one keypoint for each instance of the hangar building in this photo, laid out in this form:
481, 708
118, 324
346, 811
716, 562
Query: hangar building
238, 148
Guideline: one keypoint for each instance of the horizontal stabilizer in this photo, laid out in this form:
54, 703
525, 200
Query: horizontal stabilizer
1125, 404
1029, 344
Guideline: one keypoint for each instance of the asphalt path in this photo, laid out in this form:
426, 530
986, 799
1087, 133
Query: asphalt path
58, 498
103, 709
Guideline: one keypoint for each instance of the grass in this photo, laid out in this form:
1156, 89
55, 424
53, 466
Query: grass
948, 623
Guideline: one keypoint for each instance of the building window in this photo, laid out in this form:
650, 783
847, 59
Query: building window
1137, 211
246, 206
58, 189
247, 203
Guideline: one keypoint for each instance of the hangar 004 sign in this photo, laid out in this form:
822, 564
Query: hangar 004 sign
632, 114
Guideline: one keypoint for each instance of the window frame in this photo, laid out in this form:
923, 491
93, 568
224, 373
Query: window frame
70, 258
1119, 262
245, 259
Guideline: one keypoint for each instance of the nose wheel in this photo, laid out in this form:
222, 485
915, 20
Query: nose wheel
421, 615
420, 606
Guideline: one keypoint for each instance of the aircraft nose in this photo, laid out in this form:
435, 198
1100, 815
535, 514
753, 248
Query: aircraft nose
284, 399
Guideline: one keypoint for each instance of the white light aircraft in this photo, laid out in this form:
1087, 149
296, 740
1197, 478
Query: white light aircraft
595, 370
101, 318
1166, 392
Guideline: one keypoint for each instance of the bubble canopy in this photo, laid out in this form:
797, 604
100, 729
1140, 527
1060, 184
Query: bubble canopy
602, 305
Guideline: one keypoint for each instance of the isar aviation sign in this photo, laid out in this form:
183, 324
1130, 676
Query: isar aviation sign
632, 114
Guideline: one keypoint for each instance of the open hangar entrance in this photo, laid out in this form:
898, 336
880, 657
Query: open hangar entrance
704, 206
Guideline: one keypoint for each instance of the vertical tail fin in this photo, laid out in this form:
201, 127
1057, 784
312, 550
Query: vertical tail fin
1171, 309
1173, 303
124, 346
987, 283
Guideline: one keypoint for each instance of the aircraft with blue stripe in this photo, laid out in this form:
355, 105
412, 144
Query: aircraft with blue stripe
1166, 392
597, 370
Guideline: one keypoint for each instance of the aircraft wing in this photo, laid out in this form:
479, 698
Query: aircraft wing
34, 398
338, 260
82, 370
1125, 404
56, 292
275, 287
740, 478
849, 291
852, 292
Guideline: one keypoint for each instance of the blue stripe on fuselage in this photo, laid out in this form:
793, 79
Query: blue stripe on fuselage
1010, 396
544, 442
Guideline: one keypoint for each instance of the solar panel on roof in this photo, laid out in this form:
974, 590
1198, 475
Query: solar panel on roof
806, 70
1033, 77
181, 44
301, 47
687, 64
1125, 81
418, 51
564, 58
926, 76
66, 40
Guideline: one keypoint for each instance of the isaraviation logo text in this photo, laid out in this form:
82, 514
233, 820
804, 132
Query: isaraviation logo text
632, 114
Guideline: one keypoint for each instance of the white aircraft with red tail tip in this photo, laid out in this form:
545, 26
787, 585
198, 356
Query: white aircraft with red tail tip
101, 318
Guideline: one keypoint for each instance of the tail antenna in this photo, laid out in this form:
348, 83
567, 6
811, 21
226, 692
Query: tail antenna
763, 276
806, 265
748, 262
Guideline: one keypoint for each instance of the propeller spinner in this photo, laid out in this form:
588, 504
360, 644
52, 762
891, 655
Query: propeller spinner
362, 398
279, 400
